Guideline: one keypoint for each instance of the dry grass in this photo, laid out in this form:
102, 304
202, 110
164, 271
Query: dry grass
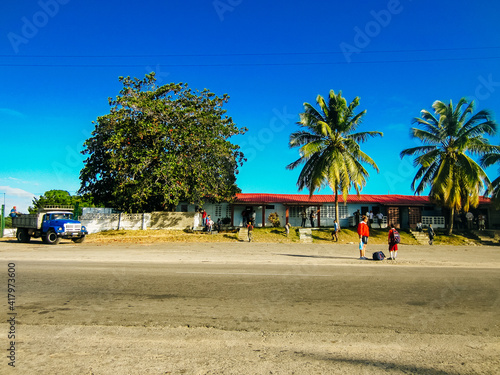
263, 235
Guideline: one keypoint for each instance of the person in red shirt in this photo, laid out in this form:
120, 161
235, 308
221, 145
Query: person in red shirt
364, 233
393, 246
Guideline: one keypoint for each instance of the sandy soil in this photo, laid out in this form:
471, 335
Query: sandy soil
251, 309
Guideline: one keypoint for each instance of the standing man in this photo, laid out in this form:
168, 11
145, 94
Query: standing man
363, 233
311, 218
470, 217
303, 215
356, 217
380, 218
370, 219
204, 218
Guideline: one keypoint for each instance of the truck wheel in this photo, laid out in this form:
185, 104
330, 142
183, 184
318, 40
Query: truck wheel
78, 240
51, 238
23, 236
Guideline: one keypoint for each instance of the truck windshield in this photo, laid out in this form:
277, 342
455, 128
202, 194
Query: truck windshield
61, 216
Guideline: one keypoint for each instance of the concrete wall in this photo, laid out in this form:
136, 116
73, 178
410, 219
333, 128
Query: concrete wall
155, 220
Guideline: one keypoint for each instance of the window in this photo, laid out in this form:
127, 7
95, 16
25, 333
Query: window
328, 211
294, 211
270, 207
218, 211
228, 210
184, 208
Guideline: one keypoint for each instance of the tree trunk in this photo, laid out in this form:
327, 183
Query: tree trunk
337, 206
452, 212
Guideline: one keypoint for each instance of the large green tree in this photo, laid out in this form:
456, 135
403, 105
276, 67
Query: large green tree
329, 147
161, 145
451, 137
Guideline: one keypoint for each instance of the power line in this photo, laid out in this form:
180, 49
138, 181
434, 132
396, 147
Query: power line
253, 64
253, 54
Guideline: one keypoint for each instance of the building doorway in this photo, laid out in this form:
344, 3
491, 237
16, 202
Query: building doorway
394, 216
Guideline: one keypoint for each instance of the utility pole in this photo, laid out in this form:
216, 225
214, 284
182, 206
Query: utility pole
2, 219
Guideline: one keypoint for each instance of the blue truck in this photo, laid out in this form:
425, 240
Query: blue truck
51, 223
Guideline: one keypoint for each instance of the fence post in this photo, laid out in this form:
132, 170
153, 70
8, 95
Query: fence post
119, 220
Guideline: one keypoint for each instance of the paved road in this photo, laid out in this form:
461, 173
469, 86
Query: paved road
132, 309
259, 297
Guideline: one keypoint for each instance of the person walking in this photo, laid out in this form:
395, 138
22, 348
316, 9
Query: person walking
287, 229
250, 231
431, 233
336, 229
393, 244
363, 233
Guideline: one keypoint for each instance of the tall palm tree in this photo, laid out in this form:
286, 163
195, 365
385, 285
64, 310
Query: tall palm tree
329, 147
450, 138
491, 158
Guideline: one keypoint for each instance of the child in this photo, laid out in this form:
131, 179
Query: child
336, 228
393, 246
250, 231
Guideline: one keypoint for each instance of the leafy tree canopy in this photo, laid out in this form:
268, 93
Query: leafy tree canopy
60, 197
161, 145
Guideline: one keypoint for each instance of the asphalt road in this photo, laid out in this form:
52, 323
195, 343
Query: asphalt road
255, 297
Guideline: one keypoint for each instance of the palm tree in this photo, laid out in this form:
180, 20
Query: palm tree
450, 139
329, 148
487, 160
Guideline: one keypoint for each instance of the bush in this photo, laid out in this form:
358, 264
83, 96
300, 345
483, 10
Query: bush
274, 219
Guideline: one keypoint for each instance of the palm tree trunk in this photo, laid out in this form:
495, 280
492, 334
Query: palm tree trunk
337, 206
452, 214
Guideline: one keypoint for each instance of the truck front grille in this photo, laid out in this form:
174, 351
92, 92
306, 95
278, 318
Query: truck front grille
72, 227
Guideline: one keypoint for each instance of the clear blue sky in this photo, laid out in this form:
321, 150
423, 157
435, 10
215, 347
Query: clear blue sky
61, 59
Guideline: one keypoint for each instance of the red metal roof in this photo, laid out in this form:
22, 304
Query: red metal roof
391, 199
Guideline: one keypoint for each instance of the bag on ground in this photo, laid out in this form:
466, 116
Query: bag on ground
378, 255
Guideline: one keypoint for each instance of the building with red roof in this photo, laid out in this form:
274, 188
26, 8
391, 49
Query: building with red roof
405, 211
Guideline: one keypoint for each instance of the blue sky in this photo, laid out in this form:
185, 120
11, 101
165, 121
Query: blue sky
61, 59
